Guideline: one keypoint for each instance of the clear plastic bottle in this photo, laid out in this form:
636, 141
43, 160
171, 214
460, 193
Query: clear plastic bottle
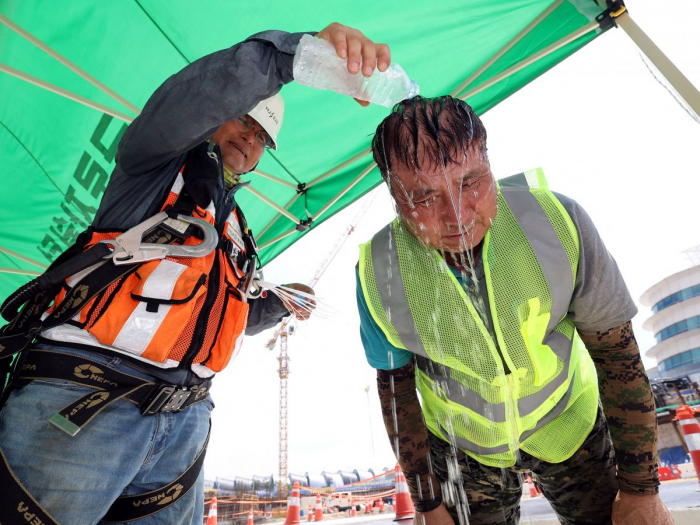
317, 64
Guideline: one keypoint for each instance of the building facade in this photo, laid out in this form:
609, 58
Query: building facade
675, 323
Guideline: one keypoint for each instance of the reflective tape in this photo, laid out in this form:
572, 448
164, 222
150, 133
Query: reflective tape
141, 326
387, 274
692, 441
178, 184
690, 423
401, 486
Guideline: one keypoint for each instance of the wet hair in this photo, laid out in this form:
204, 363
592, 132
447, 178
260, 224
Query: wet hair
427, 133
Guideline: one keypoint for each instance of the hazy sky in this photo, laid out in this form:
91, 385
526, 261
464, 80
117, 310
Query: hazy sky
605, 132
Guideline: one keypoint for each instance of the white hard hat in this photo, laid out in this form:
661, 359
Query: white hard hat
269, 114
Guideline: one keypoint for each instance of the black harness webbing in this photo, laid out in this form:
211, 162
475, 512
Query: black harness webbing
24, 310
129, 508
17, 505
110, 385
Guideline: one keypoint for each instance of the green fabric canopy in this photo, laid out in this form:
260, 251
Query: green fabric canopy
57, 153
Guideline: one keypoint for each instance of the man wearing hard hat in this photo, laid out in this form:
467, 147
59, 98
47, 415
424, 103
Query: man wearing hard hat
107, 417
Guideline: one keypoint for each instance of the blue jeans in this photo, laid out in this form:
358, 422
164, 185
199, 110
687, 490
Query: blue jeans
120, 452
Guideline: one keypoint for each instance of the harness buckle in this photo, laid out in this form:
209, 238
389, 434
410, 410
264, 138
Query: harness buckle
167, 398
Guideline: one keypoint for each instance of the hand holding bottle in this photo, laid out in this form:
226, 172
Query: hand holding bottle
357, 48
335, 64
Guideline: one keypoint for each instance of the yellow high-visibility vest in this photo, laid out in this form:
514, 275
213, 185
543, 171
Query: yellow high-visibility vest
548, 402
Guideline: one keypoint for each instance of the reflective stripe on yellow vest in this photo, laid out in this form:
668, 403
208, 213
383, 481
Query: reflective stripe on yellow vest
547, 404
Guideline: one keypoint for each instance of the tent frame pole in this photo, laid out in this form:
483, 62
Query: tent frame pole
273, 205
347, 188
278, 238
23, 258
678, 80
31, 273
591, 26
273, 178
517, 38
70, 65
339, 167
274, 219
64, 93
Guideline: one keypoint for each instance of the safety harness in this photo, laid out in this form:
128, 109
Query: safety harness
109, 386
46, 302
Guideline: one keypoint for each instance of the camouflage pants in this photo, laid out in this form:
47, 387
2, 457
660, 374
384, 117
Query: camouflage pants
581, 489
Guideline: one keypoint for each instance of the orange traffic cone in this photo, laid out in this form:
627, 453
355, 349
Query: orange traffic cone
319, 509
691, 432
404, 506
531, 486
293, 507
353, 510
250, 517
212, 519
310, 513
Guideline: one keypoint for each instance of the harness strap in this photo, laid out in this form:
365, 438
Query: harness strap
17, 505
129, 508
110, 385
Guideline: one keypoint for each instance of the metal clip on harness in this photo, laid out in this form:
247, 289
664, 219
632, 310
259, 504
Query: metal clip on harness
128, 248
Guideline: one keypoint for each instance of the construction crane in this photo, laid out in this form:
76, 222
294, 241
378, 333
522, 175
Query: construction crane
282, 334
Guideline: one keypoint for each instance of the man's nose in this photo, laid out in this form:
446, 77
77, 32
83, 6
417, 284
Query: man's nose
452, 217
249, 136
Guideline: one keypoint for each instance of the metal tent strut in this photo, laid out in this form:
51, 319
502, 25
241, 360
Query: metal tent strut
678, 80
517, 38
20, 271
64, 93
70, 65
323, 210
23, 258
591, 26
16, 271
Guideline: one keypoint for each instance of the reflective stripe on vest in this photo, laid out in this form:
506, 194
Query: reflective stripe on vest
556, 268
175, 309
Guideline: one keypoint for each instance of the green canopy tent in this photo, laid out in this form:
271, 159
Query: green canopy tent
78, 72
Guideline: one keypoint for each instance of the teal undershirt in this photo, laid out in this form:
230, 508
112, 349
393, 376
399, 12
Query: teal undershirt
380, 353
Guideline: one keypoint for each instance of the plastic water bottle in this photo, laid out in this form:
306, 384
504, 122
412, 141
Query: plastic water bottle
317, 64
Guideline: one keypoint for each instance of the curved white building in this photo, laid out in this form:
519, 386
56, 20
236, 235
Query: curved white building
675, 323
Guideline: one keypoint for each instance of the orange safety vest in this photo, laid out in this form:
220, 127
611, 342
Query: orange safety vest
174, 309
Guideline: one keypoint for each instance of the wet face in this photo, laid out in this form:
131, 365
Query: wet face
240, 149
451, 209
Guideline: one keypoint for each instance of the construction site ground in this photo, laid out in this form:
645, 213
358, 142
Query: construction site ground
681, 496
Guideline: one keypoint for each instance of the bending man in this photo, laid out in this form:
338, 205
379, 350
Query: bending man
498, 302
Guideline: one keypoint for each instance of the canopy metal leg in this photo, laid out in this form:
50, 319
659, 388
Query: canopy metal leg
21, 257
680, 83
15, 271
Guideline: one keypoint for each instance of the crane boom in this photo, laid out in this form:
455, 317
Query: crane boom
282, 334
